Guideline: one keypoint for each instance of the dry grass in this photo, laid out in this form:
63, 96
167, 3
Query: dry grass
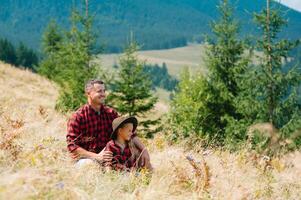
34, 163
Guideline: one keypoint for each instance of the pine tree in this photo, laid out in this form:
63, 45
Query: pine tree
51, 44
271, 91
68, 60
52, 38
131, 92
225, 61
75, 58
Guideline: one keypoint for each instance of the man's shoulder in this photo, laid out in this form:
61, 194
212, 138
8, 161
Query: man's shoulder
80, 112
110, 110
84, 111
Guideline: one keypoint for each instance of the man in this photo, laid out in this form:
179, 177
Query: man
90, 127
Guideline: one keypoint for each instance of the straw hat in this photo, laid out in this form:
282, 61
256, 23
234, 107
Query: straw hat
120, 121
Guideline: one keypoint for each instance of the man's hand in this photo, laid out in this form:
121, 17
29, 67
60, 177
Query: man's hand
104, 156
145, 158
75, 155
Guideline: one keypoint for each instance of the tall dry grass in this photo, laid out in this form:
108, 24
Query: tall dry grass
34, 163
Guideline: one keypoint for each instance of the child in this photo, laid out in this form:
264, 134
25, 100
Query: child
120, 145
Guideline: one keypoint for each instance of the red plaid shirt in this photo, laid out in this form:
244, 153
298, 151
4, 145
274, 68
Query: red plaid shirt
122, 160
90, 130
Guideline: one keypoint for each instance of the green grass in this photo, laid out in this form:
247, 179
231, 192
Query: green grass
176, 59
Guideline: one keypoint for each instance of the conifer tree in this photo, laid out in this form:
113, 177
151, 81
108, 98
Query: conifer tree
75, 58
26, 57
131, 92
21, 56
271, 91
68, 60
52, 38
225, 62
7, 52
51, 44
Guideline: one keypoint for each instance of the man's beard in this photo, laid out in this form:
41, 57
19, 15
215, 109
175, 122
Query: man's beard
99, 101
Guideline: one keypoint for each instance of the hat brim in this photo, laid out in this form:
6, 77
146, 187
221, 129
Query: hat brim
132, 120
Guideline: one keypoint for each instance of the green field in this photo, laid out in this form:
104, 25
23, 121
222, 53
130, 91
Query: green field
176, 59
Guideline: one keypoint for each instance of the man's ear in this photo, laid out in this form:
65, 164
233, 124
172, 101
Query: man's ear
87, 93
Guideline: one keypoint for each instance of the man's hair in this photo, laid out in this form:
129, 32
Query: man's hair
90, 84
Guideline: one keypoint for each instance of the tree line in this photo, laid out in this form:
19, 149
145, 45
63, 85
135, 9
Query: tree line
159, 76
18, 55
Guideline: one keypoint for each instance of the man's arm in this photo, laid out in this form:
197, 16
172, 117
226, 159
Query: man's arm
73, 133
82, 153
138, 144
104, 156
145, 158
76, 151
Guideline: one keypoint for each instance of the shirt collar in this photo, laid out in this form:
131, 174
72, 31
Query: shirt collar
116, 144
100, 110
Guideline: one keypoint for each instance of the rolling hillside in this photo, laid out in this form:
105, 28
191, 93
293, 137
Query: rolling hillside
34, 163
176, 59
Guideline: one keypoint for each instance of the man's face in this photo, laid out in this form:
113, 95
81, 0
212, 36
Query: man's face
97, 94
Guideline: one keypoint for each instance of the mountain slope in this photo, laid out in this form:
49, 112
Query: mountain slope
157, 24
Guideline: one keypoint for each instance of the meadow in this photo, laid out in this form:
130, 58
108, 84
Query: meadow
34, 162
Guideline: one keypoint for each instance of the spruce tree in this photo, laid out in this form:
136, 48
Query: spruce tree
225, 61
68, 60
75, 58
51, 44
131, 92
271, 92
52, 38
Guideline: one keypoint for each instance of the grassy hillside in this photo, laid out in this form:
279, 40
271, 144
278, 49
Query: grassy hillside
176, 59
157, 24
34, 163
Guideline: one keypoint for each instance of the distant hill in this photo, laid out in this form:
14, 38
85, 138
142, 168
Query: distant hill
175, 59
157, 24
